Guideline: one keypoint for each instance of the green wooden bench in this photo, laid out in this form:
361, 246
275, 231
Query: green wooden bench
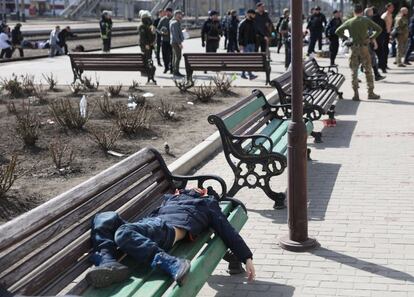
254, 137
45, 251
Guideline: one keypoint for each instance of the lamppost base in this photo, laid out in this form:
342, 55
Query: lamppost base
295, 246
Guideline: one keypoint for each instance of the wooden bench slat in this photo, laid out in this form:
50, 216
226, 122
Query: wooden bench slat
233, 120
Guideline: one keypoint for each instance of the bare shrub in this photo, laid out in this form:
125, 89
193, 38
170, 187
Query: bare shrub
134, 86
223, 83
204, 93
76, 88
108, 108
28, 126
105, 138
28, 84
62, 155
134, 121
167, 111
40, 93
114, 91
88, 83
11, 108
51, 81
138, 99
12, 86
183, 85
7, 176
68, 115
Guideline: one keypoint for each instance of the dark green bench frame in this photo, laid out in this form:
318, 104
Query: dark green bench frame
45, 251
81, 62
249, 142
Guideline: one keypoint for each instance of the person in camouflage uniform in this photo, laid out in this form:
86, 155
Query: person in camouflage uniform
358, 28
146, 36
401, 26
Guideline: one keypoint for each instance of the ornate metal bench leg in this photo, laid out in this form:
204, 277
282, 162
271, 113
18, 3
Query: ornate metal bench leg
340, 95
234, 189
331, 112
278, 198
235, 266
309, 154
317, 136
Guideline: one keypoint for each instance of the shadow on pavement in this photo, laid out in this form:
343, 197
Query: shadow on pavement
321, 181
277, 216
346, 107
363, 265
391, 101
398, 83
336, 137
238, 286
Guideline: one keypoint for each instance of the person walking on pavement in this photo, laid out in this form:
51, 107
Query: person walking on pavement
410, 42
279, 35
358, 28
285, 32
211, 32
5, 43
389, 20
316, 25
176, 39
369, 13
233, 25
63, 35
381, 39
160, 15
17, 39
106, 31
263, 25
55, 49
164, 31
147, 38
333, 24
225, 28
401, 28
247, 38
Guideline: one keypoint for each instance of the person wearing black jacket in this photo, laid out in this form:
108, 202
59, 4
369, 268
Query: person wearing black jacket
163, 29
106, 31
160, 14
263, 25
183, 215
211, 33
316, 25
382, 48
247, 37
63, 36
17, 38
232, 26
410, 42
333, 24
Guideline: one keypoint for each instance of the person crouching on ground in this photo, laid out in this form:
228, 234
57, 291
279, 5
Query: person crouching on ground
358, 28
182, 216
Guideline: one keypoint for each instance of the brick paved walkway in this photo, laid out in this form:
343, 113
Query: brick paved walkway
361, 208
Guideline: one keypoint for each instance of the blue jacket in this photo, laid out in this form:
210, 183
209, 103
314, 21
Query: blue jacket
196, 214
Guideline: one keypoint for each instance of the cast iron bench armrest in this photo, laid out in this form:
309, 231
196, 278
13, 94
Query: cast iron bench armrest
241, 138
181, 182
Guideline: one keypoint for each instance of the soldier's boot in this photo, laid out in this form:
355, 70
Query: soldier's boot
356, 95
372, 95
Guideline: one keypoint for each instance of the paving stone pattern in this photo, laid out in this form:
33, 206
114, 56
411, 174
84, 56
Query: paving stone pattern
361, 210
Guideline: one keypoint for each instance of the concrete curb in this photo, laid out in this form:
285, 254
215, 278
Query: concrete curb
205, 150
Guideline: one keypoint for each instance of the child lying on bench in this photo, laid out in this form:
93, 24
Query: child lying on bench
183, 215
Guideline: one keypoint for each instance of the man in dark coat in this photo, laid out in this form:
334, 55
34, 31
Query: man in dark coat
106, 29
247, 37
333, 24
63, 35
410, 42
17, 38
263, 25
381, 40
157, 20
316, 25
163, 30
233, 25
182, 216
211, 32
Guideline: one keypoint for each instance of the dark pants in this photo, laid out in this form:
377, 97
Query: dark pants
166, 54
106, 45
176, 58
288, 54
225, 40
65, 48
20, 49
374, 61
141, 240
6, 52
158, 49
386, 51
333, 48
409, 49
232, 45
380, 51
394, 48
315, 37
212, 46
280, 43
